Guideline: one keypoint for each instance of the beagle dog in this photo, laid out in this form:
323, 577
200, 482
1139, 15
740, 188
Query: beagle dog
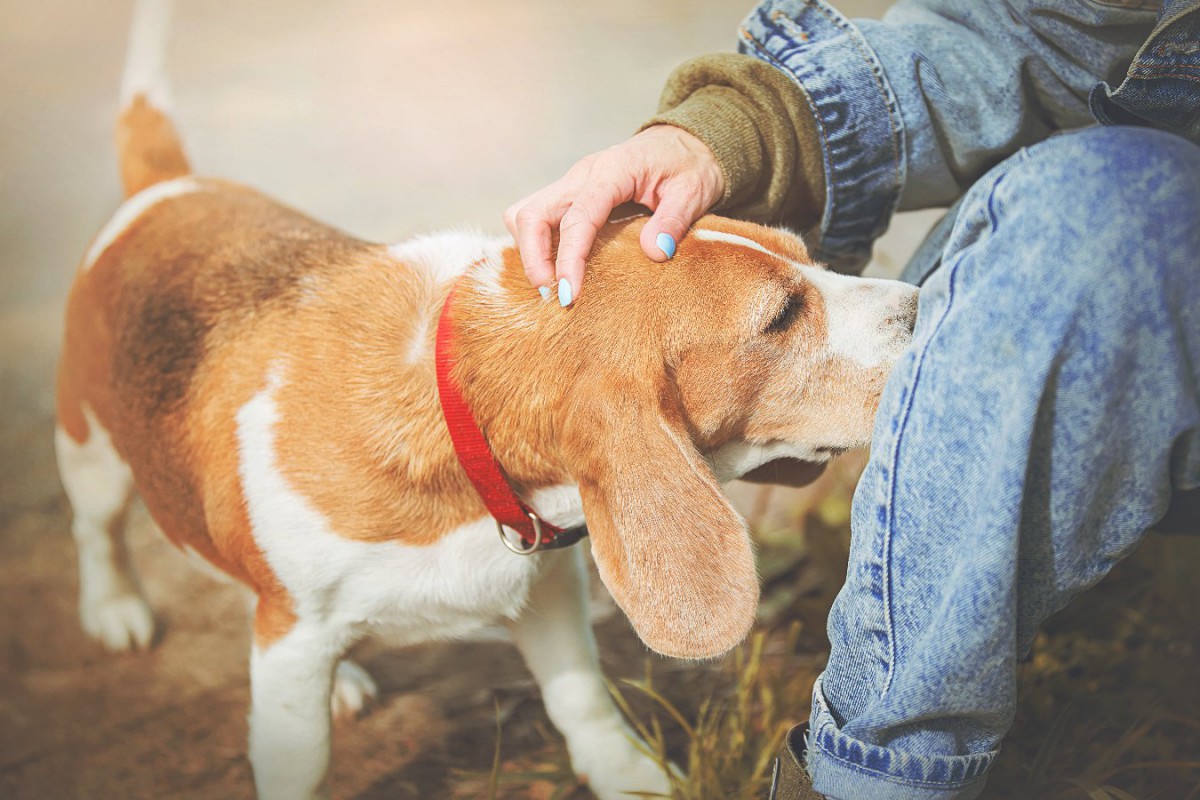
267, 384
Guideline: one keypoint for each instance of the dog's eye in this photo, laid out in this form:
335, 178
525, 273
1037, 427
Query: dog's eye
786, 316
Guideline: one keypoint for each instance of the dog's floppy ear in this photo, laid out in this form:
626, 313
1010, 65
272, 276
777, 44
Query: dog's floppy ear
673, 552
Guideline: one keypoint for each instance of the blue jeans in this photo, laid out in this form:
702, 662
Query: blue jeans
1024, 444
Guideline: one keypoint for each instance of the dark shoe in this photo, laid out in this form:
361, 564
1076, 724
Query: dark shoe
789, 779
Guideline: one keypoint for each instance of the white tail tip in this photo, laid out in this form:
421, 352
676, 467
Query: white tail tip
145, 71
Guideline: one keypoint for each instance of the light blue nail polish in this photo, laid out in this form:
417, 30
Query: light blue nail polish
564, 292
544, 291
666, 243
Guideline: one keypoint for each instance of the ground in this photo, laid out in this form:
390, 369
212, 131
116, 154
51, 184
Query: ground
392, 119
1109, 696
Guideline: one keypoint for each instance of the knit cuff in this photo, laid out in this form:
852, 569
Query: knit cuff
716, 116
761, 129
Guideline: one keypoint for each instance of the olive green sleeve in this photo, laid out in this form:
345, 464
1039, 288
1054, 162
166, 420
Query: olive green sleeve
758, 123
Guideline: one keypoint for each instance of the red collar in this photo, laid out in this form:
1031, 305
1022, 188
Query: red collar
476, 457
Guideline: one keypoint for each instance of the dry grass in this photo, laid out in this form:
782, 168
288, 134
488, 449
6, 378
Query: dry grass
732, 738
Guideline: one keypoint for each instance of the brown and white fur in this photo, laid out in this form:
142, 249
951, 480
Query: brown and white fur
267, 384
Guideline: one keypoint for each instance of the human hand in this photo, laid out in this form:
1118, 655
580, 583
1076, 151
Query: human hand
664, 168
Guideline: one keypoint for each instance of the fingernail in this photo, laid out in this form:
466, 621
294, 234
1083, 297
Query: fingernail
544, 291
564, 292
666, 243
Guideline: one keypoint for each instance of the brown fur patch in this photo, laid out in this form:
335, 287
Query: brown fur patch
142, 326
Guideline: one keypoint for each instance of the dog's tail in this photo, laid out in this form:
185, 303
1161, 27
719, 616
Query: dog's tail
148, 148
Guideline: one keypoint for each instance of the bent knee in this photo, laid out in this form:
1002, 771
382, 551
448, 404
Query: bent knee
1138, 180
1102, 212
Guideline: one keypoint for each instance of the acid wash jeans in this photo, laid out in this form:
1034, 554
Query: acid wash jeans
1029, 437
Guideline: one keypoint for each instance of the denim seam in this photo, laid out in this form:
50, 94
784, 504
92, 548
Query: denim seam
894, 456
890, 102
859, 768
825, 740
1160, 73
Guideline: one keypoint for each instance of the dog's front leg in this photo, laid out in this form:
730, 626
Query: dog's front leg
555, 637
290, 684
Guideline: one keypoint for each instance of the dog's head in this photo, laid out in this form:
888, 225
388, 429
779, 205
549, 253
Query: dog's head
693, 371
672, 377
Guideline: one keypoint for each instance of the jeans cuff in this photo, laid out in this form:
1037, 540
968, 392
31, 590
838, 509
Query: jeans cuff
857, 117
843, 767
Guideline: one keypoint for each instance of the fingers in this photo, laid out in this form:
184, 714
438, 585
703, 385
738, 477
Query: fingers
680, 207
577, 206
662, 167
577, 234
531, 223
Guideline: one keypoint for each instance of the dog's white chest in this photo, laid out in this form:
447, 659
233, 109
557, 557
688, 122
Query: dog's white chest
403, 593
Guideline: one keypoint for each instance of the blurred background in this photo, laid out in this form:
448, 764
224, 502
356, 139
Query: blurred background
391, 119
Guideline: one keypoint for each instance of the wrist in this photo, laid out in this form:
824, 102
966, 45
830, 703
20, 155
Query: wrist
759, 124
725, 140
695, 158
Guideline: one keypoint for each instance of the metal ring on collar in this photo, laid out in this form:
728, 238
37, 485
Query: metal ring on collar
519, 547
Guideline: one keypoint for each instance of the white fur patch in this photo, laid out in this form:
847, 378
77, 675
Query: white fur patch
99, 486
487, 275
97, 480
445, 255
733, 238
145, 73
860, 313
291, 690
399, 593
419, 343
735, 459
857, 309
132, 209
558, 646
559, 505
353, 690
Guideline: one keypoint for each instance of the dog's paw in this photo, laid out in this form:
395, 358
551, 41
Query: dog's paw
619, 770
123, 622
353, 690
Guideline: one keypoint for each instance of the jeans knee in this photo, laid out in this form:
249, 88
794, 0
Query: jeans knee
1135, 173
1101, 212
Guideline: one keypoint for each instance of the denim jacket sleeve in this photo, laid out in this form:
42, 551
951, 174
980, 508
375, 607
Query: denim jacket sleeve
914, 107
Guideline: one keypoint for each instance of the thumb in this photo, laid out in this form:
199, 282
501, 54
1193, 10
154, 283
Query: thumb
671, 220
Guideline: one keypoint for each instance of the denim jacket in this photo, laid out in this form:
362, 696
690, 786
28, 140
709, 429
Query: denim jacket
916, 106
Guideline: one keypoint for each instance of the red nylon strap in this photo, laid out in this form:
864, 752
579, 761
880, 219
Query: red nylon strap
476, 457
